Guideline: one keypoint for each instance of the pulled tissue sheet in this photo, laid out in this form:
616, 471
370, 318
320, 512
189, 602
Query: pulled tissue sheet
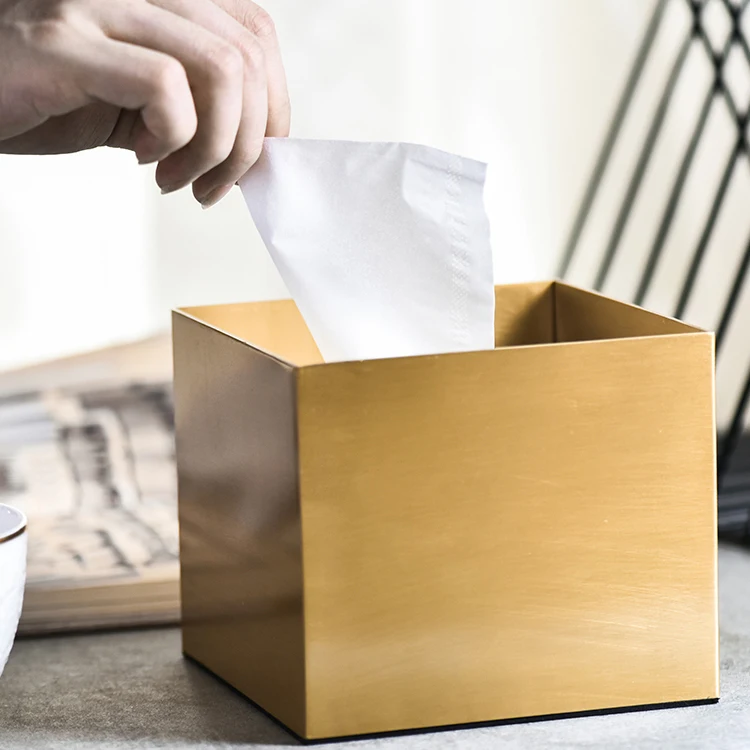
384, 247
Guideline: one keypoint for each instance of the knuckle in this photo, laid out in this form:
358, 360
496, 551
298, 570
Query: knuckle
243, 157
261, 23
168, 77
225, 62
48, 34
61, 11
217, 151
252, 52
55, 23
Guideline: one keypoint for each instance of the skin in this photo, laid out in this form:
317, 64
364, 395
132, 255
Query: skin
194, 85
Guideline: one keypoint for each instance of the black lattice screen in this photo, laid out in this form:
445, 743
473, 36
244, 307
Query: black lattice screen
719, 49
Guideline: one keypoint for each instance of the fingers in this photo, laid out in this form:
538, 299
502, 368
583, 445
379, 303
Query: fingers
200, 82
215, 70
260, 24
192, 84
135, 78
215, 183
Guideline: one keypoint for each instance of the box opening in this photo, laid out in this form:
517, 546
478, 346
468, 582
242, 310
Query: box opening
556, 313
525, 315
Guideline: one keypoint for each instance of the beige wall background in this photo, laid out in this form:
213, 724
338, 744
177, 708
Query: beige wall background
91, 254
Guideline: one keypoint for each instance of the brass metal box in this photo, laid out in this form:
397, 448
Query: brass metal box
396, 544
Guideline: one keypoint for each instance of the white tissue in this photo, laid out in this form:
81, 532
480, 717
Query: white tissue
384, 246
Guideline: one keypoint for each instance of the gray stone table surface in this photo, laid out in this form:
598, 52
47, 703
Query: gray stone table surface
134, 690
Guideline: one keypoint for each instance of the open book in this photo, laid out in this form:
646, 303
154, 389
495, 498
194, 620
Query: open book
87, 452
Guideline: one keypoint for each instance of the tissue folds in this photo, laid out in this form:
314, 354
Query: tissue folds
384, 246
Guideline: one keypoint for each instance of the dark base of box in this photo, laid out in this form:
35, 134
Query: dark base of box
453, 727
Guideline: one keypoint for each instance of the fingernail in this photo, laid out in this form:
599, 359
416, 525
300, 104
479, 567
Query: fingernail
171, 187
214, 196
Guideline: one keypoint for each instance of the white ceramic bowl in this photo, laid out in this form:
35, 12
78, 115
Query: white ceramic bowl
12, 576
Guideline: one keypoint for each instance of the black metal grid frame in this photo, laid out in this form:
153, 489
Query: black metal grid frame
733, 448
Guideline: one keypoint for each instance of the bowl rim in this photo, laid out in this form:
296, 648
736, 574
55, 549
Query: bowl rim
17, 529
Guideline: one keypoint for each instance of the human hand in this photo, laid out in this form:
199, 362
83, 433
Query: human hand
192, 84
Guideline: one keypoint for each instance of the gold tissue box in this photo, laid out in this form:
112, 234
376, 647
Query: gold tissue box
408, 543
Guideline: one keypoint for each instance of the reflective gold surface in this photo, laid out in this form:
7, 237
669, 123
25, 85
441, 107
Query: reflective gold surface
395, 544
585, 316
275, 327
525, 314
240, 540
